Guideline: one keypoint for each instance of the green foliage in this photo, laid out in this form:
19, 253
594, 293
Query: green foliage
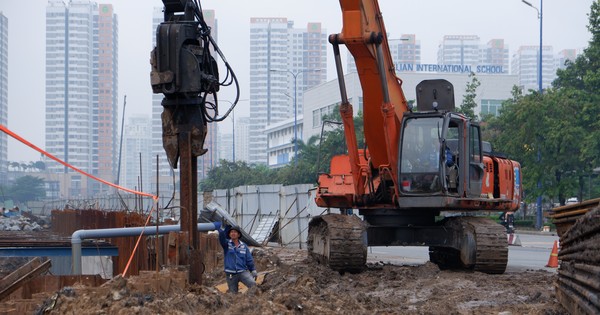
26, 188
468, 104
229, 174
546, 134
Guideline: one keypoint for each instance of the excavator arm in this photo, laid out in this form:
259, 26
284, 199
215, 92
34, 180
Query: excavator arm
384, 103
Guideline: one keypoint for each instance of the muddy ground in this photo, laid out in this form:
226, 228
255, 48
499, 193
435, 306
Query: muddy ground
295, 284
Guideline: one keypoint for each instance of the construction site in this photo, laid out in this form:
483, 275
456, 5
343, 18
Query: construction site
144, 274
426, 179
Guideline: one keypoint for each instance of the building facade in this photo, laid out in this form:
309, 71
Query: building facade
564, 55
525, 64
211, 158
461, 50
136, 169
406, 49
108, 98
323, 99
3, 96
280, 144
495, 53
225, 146
242, 139
81, 90
284, 61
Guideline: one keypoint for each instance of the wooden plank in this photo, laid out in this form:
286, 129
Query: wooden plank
23, 277
17, 274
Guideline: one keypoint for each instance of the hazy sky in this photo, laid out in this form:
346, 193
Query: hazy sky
564, 27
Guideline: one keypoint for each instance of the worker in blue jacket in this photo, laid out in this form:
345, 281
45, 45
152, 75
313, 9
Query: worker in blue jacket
238, 261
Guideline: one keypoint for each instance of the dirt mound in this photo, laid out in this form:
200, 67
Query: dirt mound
295, 284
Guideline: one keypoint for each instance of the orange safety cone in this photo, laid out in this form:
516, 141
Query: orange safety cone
553, 261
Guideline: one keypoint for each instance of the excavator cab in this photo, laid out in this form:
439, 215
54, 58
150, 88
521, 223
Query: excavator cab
440, 151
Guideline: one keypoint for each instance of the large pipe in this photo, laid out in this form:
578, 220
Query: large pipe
80, 235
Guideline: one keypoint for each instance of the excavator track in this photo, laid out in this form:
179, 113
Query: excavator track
482, 246
338, 241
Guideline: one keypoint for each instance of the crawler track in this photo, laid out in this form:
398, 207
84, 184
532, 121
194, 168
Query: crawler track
338, 241
577, 287
482, 246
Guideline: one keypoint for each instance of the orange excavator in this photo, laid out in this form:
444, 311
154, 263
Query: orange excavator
424, 175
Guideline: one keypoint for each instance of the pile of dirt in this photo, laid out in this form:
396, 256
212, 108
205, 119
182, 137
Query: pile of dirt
295, 284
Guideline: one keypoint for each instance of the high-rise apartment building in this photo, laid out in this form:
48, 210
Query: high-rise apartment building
284, 62
211, 158
242, 139
3, 96
406, 49
461, 50
136, 169
564, 55
525, 64
81, 90
225, 146
495, 53
157, 144
108, 98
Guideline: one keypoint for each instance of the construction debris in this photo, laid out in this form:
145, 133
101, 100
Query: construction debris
18, 223
296, 284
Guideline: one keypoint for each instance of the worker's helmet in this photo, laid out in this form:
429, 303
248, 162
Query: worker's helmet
234, 228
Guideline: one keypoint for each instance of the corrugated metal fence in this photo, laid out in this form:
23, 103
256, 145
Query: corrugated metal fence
289, 207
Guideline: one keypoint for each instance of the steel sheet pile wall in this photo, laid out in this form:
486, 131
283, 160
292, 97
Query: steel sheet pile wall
564, 217
65, 222
577, 287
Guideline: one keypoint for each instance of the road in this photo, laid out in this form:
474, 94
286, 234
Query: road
533, 254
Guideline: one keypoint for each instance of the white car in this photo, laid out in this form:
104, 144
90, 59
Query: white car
571, 201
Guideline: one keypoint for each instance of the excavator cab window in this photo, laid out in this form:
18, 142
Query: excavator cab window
421, 155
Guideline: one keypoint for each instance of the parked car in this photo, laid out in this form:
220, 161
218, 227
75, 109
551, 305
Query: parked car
571, 201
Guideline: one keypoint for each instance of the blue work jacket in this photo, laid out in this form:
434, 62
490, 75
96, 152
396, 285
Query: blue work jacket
236, 258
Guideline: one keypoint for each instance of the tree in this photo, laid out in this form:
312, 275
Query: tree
233, 174
468, 104
26, 188
581, 79
41, 166
544, 133
15, 165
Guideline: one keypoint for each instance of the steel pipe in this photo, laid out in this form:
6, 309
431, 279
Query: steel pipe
78, 236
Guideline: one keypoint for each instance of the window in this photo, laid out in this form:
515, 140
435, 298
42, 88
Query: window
490, 107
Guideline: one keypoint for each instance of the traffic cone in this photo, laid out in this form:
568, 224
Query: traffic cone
553, 261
